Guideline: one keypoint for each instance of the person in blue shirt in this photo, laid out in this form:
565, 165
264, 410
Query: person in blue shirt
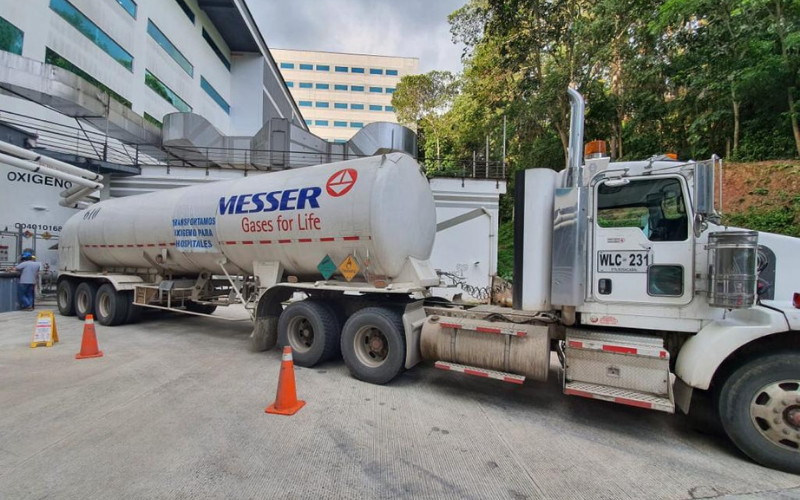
29, 271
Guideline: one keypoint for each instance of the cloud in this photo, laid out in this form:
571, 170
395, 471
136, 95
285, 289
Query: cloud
410, 28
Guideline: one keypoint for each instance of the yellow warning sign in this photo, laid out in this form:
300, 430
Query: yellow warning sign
45, 332
349, 268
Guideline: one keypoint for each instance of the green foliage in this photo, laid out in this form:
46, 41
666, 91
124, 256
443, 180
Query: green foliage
784, 220
505, 251
51, 57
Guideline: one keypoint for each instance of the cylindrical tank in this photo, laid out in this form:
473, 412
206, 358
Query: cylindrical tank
732, 273
378, 209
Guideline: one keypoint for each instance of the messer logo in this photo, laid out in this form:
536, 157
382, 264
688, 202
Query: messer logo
341, 182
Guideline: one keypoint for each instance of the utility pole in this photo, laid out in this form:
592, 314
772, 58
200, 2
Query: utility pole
474, 157
487, 156
504, 146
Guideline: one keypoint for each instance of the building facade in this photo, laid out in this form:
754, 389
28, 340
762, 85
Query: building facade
339, 93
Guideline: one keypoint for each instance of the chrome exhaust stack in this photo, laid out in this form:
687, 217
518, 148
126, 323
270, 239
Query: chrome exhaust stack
574, 177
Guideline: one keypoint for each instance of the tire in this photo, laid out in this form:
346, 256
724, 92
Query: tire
65, 297
374, 345
759, 406
84, 299
200, 308
111, 306
134, 311
321, 338
265, 334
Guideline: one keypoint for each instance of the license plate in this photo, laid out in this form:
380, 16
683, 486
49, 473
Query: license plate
623, 262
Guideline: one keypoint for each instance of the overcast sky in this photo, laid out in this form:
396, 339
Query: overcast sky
410, 28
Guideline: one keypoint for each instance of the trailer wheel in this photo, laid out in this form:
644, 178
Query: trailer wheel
192, 306
311, 329
111, 306
759, 406
265, 334
374, 345
65, 296
84, 299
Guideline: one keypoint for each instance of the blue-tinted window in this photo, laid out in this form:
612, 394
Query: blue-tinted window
376, 90
375, 71
185, 8
375, 107
170, 49
90, 30
290, 84
287, 65
391, 72
389, 90
323, 67
356, 124
323, 86
11, 37
129, 6
339, 124
340, 105
305, 104
165, 92
356, 106
341, 69
357, 88
340, 87
389, 108
307, 66
216, 49
340, 141
211, 91
309, 122
322, 104
357, 70
306, 85
321, 123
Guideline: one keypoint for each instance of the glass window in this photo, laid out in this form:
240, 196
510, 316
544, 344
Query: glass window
340, 105
356, 106
304, 104
129, 6
171, 97
340, 87
389, 108
185, 8
323, 67
216, 49
340, 141
309, 122
391, 72
339, 124
306, 85
375, 71
290, 84
341, 69
357, 70
323, 86
322, 104
357, 88
285, 65
50, 57
90, 30
655, 206
11, 37
375, 107
211, 91
376, 90
307, 67
389, 90
170, 49
665, 281
321, 123
356, 124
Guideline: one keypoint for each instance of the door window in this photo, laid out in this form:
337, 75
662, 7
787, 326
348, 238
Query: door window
655, 206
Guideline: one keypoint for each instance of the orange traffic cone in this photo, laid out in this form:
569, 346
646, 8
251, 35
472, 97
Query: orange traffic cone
89, 347
286, 402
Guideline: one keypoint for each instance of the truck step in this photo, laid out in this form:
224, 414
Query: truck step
620, 396
480, 372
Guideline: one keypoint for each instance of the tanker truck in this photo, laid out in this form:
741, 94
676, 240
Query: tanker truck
621, 269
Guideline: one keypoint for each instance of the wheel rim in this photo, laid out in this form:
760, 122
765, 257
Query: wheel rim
83, 302
775, 412
371, 346
300, 334
104, 305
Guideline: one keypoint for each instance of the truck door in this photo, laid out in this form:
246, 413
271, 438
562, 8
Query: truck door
643, 251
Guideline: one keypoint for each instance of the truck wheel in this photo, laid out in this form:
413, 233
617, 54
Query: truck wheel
134, 312
374, 345
111, 306
84, 299
759, 406
194, 307
65, 296
311, 329
265, 334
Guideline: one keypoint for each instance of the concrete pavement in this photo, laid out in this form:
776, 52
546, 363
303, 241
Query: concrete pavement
175, 409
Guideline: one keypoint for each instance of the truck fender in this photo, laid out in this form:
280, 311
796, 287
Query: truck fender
120, 282
701, 355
